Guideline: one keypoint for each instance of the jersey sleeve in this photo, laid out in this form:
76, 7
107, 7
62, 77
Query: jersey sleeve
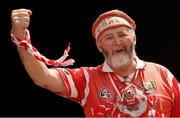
75, 82
175, 93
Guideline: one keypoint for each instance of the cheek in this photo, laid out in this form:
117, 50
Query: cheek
107, 47
105, 50
128, 43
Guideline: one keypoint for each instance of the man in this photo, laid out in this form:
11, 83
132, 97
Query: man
122, 86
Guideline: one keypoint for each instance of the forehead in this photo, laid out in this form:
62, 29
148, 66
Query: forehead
120, 29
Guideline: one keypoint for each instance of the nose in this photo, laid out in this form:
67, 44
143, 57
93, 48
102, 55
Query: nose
117, 41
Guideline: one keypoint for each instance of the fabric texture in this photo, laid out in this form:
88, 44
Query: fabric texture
111, 19
151, 90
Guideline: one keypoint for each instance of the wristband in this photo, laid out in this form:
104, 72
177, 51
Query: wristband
33, 51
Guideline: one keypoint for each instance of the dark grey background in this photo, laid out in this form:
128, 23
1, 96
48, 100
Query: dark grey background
55, 23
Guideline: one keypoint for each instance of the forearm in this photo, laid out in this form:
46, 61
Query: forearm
36, 69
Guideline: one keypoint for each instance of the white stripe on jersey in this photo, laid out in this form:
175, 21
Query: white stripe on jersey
170, 81
74, 92
86, 90
170, 78
178, 87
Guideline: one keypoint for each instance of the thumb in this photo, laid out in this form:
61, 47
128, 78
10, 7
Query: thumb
29, 12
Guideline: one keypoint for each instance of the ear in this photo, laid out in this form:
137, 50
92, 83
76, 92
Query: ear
135, 39
134, 36
98, 45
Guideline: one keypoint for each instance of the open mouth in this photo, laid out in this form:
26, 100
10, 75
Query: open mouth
119, 51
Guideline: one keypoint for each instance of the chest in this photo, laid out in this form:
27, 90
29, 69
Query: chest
109, 96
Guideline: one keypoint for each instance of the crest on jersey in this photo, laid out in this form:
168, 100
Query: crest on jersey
105, 93
150, 86
133, 101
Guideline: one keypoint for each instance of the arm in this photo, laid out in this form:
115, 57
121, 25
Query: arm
38, 71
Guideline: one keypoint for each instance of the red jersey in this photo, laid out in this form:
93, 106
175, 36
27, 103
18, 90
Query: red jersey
151, 90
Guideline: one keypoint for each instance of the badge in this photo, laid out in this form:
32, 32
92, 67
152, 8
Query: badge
150, 86
105, 93
133, 102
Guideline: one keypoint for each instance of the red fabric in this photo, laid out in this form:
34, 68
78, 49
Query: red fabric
33, 51
176, 104
98, 97
112, 13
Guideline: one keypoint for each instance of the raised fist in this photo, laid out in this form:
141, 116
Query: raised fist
20, 21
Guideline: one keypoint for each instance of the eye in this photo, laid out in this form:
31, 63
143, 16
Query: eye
109, 38
121, 35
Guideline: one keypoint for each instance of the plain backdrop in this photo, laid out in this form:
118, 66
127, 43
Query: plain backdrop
56, 23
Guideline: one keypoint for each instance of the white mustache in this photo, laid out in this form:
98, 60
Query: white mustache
118, 48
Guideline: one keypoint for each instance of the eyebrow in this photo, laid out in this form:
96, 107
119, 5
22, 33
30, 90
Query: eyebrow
106, 35
126, 31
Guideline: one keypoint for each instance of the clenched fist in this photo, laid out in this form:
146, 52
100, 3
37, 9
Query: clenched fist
20, 21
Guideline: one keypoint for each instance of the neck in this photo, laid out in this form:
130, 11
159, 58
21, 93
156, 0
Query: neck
126, 69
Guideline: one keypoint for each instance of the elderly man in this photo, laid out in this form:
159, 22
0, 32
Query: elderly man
122, 86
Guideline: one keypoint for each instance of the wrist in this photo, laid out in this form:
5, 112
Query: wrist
19, 36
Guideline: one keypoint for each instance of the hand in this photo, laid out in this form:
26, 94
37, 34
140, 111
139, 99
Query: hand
20, 21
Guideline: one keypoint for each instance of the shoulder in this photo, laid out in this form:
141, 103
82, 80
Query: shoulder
92, 69
158, 68
154, 65
81, 70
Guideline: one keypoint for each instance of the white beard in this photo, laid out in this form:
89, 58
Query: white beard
119, 61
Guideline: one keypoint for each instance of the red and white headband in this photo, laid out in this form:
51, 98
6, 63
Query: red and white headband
109, 22
111, 19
